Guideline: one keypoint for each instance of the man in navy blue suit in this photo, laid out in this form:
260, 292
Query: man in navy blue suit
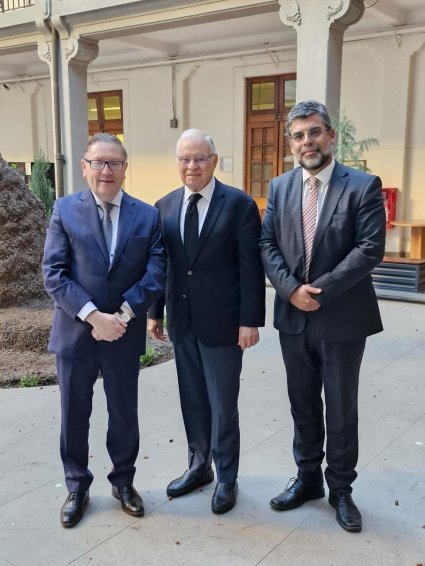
103, 267
215, 300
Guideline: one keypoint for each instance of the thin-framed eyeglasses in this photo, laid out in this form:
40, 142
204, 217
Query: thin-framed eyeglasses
312, 133
201, 160
98, 165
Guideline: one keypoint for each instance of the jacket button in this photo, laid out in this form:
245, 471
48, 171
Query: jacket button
189, 272
184, 296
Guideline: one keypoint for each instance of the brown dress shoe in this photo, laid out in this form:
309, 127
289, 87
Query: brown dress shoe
131, 502
297, 494
73, 509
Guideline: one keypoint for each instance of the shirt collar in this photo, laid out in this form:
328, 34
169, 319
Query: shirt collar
324, 175
206, 192
116, 200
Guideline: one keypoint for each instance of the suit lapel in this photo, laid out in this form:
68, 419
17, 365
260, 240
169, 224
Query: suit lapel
295, 204
125, 224
336, 188
90, 214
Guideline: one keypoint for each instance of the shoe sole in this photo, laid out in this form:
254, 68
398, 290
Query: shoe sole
189, 489
289, 507
222, 510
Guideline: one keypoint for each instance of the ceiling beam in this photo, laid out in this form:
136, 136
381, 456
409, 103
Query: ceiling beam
387, 12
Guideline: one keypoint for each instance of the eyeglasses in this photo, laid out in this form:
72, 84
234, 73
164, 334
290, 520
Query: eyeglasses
98, 165
313, 133
202, 160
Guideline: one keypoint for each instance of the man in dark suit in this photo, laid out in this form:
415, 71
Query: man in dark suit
321, 239
215, 298
103, 266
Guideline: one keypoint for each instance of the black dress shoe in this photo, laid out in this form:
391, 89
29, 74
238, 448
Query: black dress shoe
224, 497
189, 481
131, 502
73, 509
347, 513
297, 494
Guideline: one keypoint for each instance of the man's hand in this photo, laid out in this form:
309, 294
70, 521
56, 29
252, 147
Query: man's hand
248, 336
156, 329
106, 326
303, 300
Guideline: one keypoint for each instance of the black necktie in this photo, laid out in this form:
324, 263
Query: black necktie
191, 226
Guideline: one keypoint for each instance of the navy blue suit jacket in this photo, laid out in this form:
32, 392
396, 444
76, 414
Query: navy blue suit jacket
224, 286
349, 242
76, 270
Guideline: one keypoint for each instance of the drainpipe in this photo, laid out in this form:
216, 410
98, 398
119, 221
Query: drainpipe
59, 158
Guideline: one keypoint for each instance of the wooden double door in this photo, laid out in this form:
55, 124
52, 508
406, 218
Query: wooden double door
268, 101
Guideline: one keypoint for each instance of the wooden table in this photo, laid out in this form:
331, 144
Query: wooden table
417, 236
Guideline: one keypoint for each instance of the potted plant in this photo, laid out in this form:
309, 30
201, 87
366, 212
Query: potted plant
347, 149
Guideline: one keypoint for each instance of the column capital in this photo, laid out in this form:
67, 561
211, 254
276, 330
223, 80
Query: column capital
295, 13
80, 50
44, 51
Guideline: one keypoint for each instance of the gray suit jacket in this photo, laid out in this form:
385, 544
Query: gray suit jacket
349, 242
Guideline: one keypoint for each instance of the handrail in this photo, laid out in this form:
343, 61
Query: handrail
10, 5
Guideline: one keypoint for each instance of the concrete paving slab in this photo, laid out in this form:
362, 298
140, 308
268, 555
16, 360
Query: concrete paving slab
183, 531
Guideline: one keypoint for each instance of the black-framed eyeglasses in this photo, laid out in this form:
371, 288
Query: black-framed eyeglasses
201, 160
312, 133
98, 165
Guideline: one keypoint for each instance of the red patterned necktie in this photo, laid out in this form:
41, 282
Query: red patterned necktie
309, 220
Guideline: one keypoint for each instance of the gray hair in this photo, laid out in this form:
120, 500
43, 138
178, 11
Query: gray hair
107, 138
305, 109
194, 133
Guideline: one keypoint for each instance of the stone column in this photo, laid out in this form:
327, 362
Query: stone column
73, 56
320, 27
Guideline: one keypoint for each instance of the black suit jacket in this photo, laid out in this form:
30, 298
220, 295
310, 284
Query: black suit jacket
349, 242
224, 286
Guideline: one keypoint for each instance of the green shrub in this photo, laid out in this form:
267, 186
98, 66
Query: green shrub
40, 183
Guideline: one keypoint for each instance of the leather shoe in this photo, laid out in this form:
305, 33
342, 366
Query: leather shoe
347, 513
131, 502
73, 509
188, 482
297, 494
224, 498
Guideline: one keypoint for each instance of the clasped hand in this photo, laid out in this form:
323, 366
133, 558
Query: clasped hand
302, 298
108, 327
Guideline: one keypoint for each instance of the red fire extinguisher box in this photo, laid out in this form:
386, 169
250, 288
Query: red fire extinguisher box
390, 200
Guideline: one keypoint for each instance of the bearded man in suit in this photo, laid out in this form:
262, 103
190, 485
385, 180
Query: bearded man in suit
103, 267
215, 298
323, 234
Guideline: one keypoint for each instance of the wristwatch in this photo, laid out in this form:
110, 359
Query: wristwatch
125, 316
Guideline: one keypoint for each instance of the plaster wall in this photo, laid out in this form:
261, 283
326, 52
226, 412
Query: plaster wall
383, 85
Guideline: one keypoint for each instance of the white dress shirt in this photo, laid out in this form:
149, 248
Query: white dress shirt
202, 204
324, 176
115, 215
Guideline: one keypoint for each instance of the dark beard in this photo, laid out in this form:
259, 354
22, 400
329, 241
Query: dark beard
315, 163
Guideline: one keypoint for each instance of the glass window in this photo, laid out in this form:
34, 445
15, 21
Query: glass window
290, 88
112, 107
262, 96
92, 109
